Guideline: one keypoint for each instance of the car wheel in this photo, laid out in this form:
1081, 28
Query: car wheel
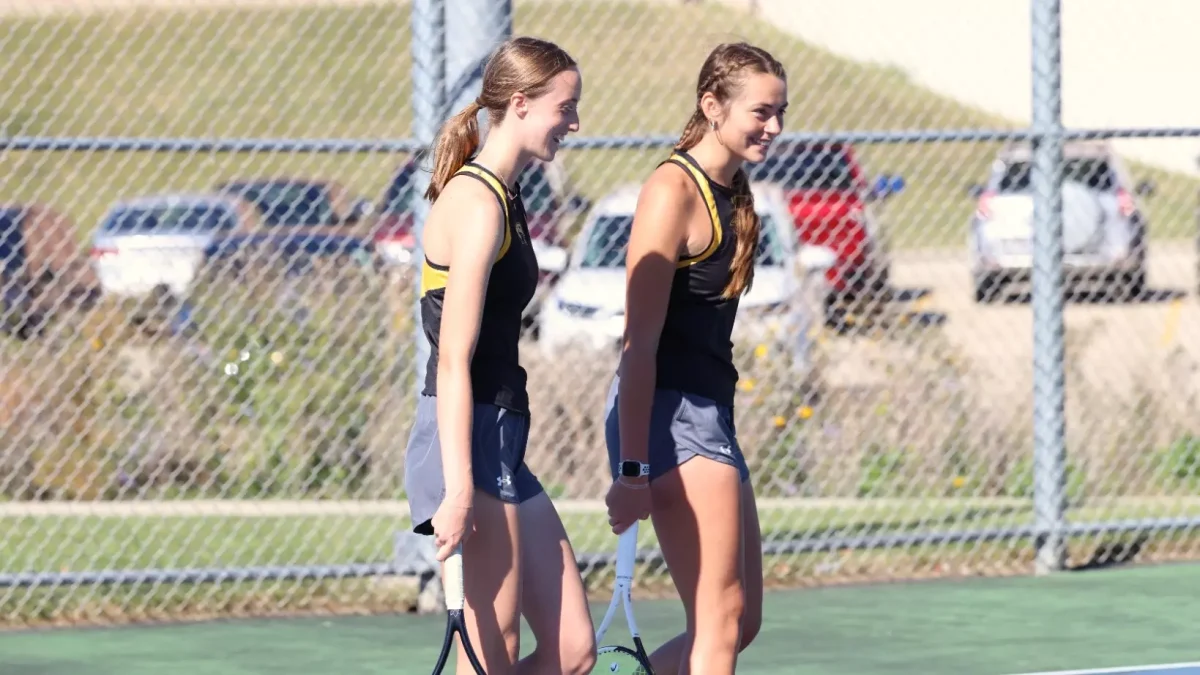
1133, 285
988, 288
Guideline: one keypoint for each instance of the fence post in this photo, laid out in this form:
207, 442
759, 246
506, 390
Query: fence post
1049, 443
474, 29
429, 111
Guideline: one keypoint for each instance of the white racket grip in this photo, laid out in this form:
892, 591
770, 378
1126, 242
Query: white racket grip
627, 553
452, 579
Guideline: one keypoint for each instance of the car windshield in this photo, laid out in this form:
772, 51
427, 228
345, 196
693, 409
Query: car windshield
188, 218
770, 249
609, 241
12, 248
287, 203
536, 191
1096, 174
399, 195
806, 168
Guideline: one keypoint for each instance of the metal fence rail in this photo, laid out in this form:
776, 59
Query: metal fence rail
398, 145
216, 424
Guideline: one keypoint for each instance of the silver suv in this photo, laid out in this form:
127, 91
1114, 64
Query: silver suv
1104, 230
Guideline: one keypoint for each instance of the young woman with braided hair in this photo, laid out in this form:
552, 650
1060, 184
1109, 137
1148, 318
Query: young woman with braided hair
670, 431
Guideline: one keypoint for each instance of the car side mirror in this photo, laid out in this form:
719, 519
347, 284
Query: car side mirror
359, 210
578, 204
815, 259
552, 259
887, 185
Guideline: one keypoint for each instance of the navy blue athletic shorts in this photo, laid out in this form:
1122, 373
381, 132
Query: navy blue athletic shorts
498, 440
682, 426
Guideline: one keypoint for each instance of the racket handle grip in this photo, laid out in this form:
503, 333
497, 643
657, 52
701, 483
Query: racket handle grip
452, 579
627, 552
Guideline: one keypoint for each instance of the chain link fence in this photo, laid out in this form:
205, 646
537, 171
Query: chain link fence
208, 364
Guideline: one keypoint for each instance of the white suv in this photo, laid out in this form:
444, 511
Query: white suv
1104, 231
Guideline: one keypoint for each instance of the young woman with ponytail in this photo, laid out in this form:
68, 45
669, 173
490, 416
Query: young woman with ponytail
465, 474
669, 428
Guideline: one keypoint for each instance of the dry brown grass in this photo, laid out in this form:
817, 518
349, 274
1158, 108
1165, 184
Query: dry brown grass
922, 425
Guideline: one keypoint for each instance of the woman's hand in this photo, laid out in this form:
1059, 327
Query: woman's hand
628, 501
452, 523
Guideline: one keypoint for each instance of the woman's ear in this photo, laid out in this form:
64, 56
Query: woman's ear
711, 107
519, 104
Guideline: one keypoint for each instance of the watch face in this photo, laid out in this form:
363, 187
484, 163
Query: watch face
630, 469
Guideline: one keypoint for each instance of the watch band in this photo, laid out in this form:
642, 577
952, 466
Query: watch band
634, 469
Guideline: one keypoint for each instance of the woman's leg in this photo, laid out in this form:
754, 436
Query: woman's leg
491, 584
752, 567
668, 657
553, 599
697, 515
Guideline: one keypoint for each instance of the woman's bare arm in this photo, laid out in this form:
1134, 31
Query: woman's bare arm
659, 233
474, 226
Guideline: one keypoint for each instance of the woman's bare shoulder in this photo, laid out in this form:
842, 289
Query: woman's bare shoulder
668, 180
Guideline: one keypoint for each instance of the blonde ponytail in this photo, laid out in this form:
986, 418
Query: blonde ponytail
456, 144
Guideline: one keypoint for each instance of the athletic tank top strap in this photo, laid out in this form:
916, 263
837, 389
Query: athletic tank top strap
497, 187
434, 275
710, 202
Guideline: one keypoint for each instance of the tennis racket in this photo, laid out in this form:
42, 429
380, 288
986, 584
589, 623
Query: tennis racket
615, 658
452, 582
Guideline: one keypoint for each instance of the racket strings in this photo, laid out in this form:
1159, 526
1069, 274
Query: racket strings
619, 660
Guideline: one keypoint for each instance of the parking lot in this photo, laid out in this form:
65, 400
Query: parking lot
1112, 343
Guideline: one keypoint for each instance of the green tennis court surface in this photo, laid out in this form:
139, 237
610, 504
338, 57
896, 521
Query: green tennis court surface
1094, 620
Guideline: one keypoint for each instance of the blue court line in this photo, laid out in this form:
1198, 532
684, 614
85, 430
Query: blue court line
1159, 669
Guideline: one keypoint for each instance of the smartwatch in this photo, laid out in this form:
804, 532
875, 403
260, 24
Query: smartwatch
634, 469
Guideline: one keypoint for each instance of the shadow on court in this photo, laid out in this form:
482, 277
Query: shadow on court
1095, 619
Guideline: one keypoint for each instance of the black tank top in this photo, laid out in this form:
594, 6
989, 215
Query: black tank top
695, 349
496, 373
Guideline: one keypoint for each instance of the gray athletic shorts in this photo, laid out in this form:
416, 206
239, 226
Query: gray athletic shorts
498, 440
682, 426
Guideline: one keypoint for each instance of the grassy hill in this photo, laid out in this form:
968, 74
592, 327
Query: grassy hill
345, 72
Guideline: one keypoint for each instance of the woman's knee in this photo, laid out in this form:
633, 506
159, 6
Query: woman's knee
577, 652
554, 601
510, 634
751, 625
725, 612
576, 644
497, 641
733, 602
